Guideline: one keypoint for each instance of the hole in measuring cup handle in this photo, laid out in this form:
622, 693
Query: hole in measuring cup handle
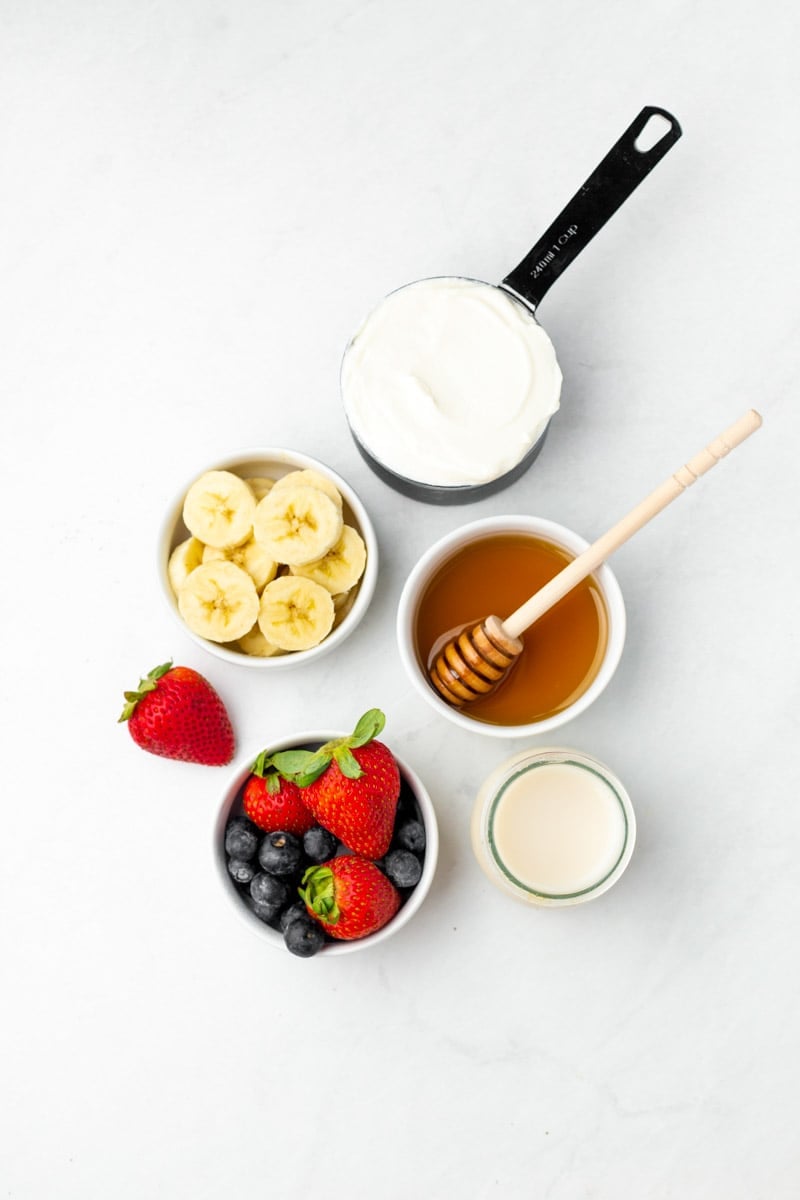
656, 127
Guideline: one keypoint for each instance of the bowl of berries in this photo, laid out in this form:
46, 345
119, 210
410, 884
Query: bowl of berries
326, 843
267, 558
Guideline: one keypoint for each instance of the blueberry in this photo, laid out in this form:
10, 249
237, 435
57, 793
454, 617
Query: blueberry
241, 839
268, 892
280, 853
411, 836
319, 844
240, 871
403, 868
268, 913
304, 937
292, 913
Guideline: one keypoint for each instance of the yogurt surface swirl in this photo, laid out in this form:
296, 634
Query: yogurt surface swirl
450, 381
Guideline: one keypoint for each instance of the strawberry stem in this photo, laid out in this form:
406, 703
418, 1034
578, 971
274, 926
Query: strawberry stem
272, 768
319, 894
148, 684
304, 766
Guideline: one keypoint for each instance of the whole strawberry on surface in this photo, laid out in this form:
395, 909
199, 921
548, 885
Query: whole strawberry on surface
274, 803
351, 785
349, 896
175, 713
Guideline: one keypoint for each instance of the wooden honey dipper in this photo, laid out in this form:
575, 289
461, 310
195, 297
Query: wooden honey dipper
477, 658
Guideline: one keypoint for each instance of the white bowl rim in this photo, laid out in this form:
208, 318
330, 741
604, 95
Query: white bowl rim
331, 949
561, 535
293, 460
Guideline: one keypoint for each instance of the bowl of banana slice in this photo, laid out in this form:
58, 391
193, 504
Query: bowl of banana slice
268, 558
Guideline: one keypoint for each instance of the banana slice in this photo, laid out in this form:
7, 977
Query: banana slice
256, 644
250, 556
342, 605
311, 478
219, 509
297, 525
295, 613
259, 485
182, 562
341, 567
219, 601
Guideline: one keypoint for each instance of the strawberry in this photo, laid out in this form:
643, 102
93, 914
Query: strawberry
176, 713
274, 803
351, 785
349, 896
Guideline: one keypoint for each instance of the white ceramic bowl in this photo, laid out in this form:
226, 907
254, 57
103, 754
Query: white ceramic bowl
431, 562
273, 462
414, 792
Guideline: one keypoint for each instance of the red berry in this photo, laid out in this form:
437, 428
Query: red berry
275, 804
175, 713
360, 812
351, 785
349, 896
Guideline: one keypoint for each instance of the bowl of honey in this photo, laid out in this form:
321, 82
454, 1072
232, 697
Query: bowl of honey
492, 566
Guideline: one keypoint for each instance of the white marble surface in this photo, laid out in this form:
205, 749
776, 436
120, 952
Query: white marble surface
199, 202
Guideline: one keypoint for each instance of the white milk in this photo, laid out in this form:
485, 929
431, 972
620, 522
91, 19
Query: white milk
553, 827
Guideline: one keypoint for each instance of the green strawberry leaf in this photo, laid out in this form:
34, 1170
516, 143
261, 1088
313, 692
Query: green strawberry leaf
301, 767
259, 767
319, 894
367, 728
157, 672
304, 780
292, 762
148, 684
272, 768
348, 763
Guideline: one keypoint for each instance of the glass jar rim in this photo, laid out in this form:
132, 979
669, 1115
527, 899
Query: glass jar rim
495, 787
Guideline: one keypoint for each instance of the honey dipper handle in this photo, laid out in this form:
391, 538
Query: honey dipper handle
599, 551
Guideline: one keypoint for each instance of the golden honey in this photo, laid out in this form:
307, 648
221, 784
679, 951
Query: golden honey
563, 650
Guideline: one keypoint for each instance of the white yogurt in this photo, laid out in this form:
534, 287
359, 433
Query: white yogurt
553, 827
450, 382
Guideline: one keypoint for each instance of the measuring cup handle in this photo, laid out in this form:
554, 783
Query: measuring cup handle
620, 172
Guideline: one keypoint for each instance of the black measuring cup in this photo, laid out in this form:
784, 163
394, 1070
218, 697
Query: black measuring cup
627, 163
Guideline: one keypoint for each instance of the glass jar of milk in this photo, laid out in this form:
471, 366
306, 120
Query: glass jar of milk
553, 827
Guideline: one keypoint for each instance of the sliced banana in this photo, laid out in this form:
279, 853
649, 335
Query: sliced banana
295, 613
182, 562
219, 509
219, 601
259, 485
311, 478
250, 556
256, 644
342, 605
341, 567
297, 525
